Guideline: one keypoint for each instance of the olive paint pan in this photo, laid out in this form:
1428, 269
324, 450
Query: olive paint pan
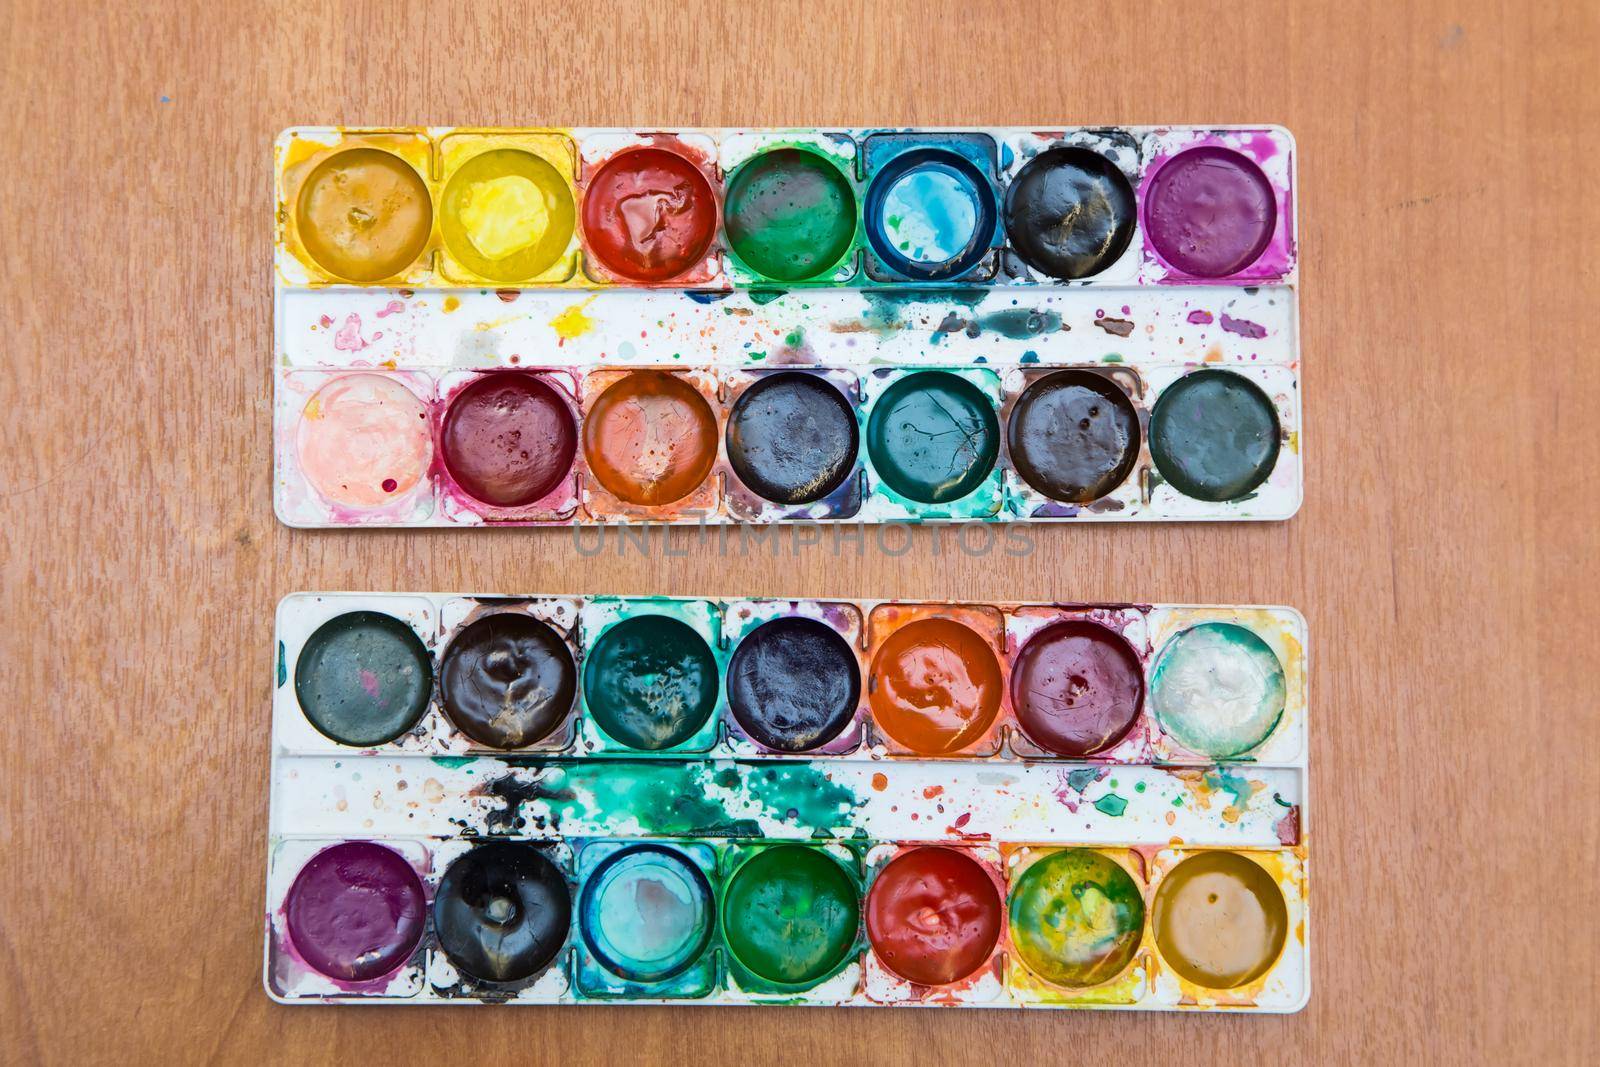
687, 444
413, 263
668, 678
848, 874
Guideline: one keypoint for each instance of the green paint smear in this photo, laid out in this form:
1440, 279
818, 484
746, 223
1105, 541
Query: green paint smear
761, 297
1236, 786
1111, 804
1082, 778
283, 666
454, 762
795, 338
670, 797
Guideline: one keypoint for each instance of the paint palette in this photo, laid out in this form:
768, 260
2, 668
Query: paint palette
542, 799
561, 326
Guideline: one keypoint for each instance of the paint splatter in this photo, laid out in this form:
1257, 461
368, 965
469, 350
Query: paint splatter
1201, 318
393, 307
1111, 804
1243, 327
573, 323
1116, 327
451, 303
348, 338
369, 682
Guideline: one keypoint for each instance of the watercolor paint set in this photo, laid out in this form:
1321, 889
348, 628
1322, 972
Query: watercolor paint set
555, 326
556, 799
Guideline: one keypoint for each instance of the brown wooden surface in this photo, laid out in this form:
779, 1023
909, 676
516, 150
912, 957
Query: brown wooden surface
1445, 556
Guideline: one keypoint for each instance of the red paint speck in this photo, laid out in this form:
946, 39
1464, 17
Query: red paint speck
880, 782
390, 485
932, 791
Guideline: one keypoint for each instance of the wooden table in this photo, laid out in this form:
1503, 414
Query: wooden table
1446, 553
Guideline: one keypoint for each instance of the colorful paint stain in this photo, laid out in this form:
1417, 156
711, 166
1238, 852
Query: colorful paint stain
1076, 918
1219, 920
508, 439
507, 215
1214, 435
790, 215
356, 911
364, 214
1073, 436
1077, 688
1209, 211
502, 911
363, 441
792, 438
650, 682
649, 214
933, 916
650, 438
363, 678
793, 684
1218, 689
674, 798
933, 437
935, 686
930, 213
507, 680
790, 914
647, 913
1070, 213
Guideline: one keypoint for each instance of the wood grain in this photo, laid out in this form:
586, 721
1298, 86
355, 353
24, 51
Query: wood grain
1446, 553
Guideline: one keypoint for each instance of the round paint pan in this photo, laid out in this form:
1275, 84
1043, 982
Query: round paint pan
1219, 920
364, 215
363, 678
650, 682
1209, 211
1076, 688
1070, 213
792, 438
933, 437
793, 684
1218, 689
930, 214
507, 215
1214, 435
507, 680
650, 438
790, 914
649, 214
502, 912
363, 441
1073, 436
935, 686
647, 913
356, 911
933, 916
508, 439
790, 215
1076, 918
